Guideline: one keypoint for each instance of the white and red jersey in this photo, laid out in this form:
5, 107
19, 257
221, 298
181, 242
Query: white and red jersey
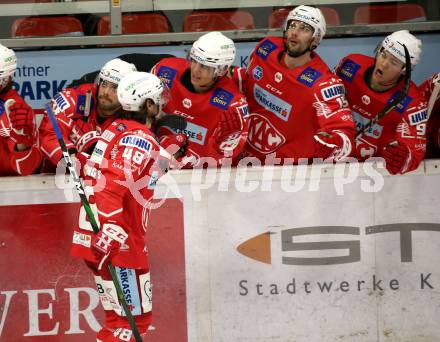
13, 162
289, 106
78, 129
124, 168
433, 130
406, 123
203, 111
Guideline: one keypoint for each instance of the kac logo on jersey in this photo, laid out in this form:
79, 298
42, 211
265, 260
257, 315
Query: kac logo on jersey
348, 70
257, 73
135, 141
263, 136
272, 103
309, 76
221, 98
332, 92
402, 105
418, 117
265, 49
167, 75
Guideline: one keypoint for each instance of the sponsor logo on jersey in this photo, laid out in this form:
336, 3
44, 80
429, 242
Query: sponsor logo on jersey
187, 103
167, 75
82, 239
221, 98
366, 99
273, 89
257, 73
309, 76
81, 104
348, 70
61, 103
263, 136
402, 105
332, 92
375, 131
265, 49
272, 103
243, 110
418, 117
121, 127
107, 135
2, 107
135, 141
278, 77
128, 280
195, 133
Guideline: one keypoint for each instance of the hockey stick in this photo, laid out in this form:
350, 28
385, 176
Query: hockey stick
434, 94
85, 203
390, 106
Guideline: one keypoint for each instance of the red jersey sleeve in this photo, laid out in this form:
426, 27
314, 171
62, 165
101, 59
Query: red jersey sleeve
334, 114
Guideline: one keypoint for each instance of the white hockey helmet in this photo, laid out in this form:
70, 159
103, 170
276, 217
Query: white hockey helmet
8, 64
114, 70
394, 45
215, 50
311, 16
136, 87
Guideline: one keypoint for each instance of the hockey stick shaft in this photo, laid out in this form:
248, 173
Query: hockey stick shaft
85, 203
390, 106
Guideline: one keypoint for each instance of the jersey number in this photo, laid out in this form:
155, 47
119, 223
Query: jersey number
137, 157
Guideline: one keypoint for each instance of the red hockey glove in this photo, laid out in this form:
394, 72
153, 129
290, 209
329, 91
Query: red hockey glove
107, 242
326, 144
230, 122
174, 144
21, 119
395, 155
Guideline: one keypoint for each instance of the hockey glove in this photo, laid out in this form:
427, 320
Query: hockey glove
21, 118
175, 144
230, 122
107, 242
396, 156
326, 144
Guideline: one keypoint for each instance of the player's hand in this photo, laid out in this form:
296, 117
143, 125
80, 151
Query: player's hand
174, 144
230, 122
107, 242
21, 119
395, 155
326, 144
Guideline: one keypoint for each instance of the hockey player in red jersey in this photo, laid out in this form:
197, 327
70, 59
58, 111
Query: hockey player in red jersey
84, 112
212, 104
297, 105
125, 165
399, 136
19, 153
430, 89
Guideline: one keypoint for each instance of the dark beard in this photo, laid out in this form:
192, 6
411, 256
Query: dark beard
296, 54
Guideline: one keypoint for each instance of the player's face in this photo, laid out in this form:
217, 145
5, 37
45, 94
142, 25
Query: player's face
107, 98
202, 76
299, 37
387, 70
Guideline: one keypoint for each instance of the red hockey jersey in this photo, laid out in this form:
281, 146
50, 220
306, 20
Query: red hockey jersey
203, 111
289, 106
78, 128
406, 123
433, 129
12, 162
124, 168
